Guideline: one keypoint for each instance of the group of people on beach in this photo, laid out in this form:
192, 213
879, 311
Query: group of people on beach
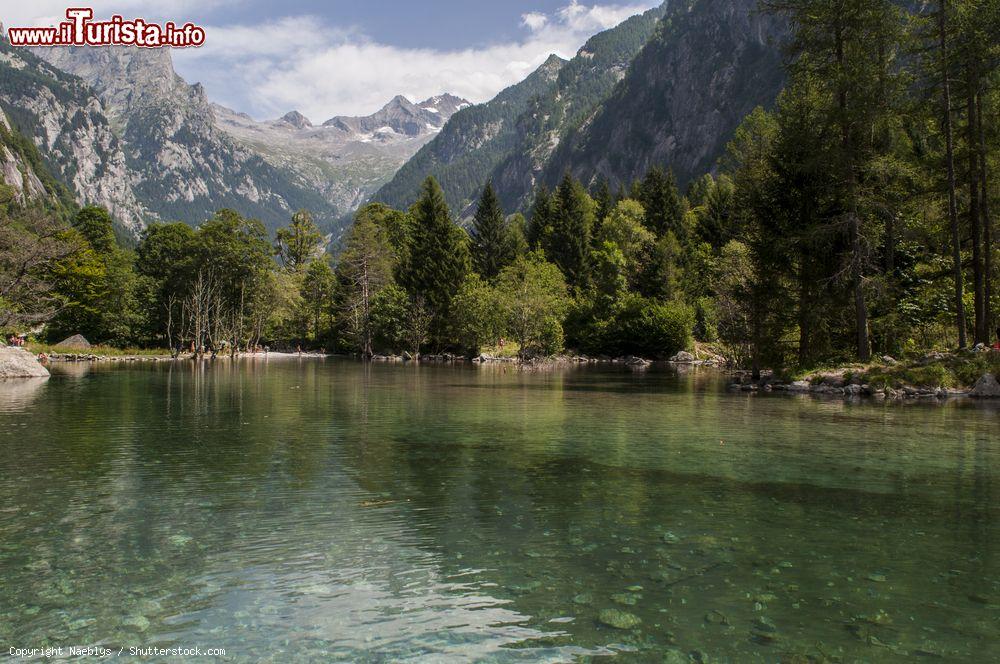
15, 341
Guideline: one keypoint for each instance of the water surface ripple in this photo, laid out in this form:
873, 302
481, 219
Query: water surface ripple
311, 510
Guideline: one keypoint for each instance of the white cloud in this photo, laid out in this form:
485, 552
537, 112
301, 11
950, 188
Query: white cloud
304, 64
534, 21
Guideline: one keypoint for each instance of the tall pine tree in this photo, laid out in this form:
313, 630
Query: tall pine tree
541, 218
664, 206
492, 249
567, 243
438, 259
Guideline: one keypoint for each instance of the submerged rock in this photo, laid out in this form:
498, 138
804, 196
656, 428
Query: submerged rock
138, 623
763, 630
675, 656
618, 619
669, 538
627, 599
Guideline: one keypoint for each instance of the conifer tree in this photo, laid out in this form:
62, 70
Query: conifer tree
491, 241
605, 204
664, 206
847, 48
438, 259
541, 218
568, 242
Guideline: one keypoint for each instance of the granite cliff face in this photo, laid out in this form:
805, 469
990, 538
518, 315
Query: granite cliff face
16, 168
709, 65
666, 88
181, 165
582, 86
168, 153
65, 122
511, 138
118, 127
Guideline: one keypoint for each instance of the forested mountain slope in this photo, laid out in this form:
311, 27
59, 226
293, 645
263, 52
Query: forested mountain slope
710, 63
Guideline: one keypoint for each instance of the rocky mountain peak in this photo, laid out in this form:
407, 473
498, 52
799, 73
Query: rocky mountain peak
125, 78
401, 116
296, 119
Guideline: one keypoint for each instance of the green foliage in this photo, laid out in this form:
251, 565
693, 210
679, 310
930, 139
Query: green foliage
624, 228
533, 301
97, 285
635, 326
298, 243
477, 317
567, 240
318, 286
397, 227
493, 243
663, 204
399, 321
715, 214
365, 268
438, 259
97, 228
543, 212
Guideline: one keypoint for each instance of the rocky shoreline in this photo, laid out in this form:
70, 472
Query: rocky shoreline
830, 384
91, 357
682, 358
986, 387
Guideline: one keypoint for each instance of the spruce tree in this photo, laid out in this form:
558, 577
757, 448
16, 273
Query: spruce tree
568, 242
664, 206
605, 204
491, 246
438, 258
541, 218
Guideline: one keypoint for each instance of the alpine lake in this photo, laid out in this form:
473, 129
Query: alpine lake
302, 509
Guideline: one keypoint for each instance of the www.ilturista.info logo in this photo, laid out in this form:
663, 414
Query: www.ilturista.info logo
81, 30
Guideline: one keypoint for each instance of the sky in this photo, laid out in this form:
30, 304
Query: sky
349, 58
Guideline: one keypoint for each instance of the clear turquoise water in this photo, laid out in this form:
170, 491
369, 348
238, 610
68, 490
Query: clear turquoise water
311, 510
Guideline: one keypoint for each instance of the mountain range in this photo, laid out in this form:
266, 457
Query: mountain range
118, 127
346, 159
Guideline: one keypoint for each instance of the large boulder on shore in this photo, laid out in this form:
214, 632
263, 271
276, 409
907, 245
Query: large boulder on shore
19, 363
986, 387
75, 342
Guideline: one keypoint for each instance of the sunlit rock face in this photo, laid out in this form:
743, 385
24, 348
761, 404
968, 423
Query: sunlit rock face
19, 363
